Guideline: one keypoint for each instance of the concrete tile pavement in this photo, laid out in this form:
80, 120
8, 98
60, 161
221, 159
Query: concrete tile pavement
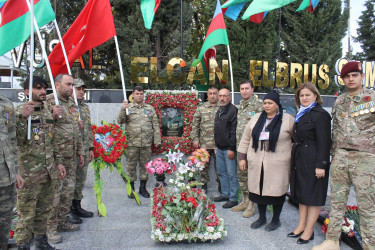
127, 225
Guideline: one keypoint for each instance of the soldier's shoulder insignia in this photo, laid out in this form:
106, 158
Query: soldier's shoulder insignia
148, 112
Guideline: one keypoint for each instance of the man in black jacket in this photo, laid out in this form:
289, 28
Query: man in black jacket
225, 142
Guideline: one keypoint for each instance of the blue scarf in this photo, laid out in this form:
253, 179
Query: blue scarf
303, 110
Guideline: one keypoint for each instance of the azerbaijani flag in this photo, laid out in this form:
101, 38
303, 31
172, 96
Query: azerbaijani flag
15, 21
308, 5
259, 6
258, 18
234, 2
216, 34
149, 9
233, 11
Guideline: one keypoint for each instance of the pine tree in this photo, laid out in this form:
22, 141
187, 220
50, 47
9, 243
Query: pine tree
366, 32
314, 37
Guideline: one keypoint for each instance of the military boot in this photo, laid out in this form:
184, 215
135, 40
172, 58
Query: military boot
143, 191
243, 205
79, 211
54, 237
41, 243
23, 247
67, 227
73, 218
249, 211
328, 245
131, 196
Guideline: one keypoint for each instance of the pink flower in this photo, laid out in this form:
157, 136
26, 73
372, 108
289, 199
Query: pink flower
159, 170
150, 170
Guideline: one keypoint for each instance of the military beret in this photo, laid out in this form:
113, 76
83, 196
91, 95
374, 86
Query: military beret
79, 83
351, 67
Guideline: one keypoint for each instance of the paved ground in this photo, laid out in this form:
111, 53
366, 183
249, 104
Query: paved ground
127, 225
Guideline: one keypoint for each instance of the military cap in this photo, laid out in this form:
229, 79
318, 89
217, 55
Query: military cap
79, 83
351, 67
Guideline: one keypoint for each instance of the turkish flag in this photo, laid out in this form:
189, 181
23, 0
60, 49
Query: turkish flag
93, 26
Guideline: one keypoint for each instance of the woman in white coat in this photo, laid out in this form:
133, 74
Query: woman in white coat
266, 144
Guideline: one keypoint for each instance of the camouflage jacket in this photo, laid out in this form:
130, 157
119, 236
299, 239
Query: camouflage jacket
87, 138
354, 122
68, 134
8, 142
38, 156
141, 125
246, 110
203, 125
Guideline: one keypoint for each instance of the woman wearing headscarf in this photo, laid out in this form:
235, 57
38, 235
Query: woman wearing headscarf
267, 144
310, 160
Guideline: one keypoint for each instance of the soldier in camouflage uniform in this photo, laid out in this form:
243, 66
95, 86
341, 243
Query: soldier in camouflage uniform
88, 145
142, 128
353, 157
247, 108
203, 131
9, 170
69, 142
40, 166
173, 123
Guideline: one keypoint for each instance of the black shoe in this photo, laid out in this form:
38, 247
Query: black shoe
72, 218
131, 195
302, 241
204, 187
143, 191
272, 226
41, 243
230, 204
293, 235
23, 247
258, 223
79, 211
220, 199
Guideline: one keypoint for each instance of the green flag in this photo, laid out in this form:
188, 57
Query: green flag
259, 6
233, 2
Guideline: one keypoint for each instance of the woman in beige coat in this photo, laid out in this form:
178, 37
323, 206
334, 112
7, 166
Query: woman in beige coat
266, 144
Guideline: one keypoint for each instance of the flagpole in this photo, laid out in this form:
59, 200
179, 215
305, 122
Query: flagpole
67, 64
44, 53
31, 66
121, 72
231, 73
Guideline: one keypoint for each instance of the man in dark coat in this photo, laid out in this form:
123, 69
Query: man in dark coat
225, 142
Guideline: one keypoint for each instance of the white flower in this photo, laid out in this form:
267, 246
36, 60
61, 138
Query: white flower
183, 168
221, 228
191, 174
188, 187
168, 239
193, 170
174, 235
161, 237
200, 236
171, 180
210, 229
180, 236
225, 233
158, 232
168, 229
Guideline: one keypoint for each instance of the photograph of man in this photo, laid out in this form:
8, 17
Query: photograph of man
172, 122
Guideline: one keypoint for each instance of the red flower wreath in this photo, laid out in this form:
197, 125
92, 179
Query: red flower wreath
109, 142
185, 101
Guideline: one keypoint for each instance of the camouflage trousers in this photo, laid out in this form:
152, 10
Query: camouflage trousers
243, 178
33, 208
357, 168
81, 175
64, 196
205, 176
7, 195
135, 155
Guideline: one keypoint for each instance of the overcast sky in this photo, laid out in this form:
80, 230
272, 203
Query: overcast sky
356, 8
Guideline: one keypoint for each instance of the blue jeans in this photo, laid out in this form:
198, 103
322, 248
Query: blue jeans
227, 171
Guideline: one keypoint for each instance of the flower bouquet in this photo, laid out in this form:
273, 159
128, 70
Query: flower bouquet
159, 167
350, 227
182, 212
109, 145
